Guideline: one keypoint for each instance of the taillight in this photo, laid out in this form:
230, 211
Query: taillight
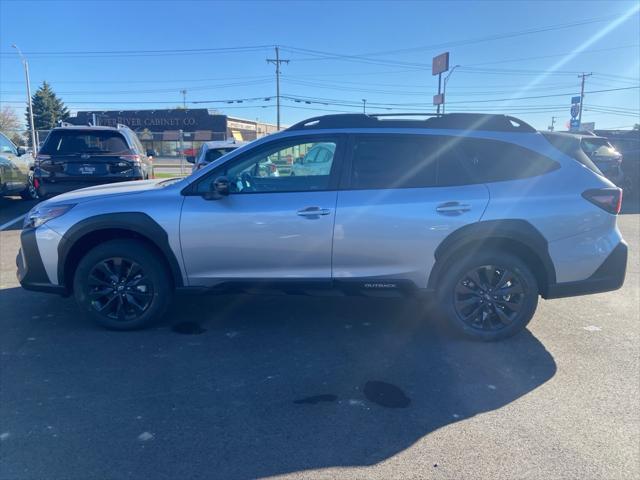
608, 199
130, 158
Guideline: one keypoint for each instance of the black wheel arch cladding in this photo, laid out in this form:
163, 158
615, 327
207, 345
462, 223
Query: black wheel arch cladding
518, 234
138, 224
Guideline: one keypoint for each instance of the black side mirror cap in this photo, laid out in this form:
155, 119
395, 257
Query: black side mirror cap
191, 159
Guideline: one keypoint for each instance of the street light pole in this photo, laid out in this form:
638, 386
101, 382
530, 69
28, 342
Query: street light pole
34, 142
444, 90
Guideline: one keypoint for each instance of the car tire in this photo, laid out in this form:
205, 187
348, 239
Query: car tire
488, 296
31, 192
121, 285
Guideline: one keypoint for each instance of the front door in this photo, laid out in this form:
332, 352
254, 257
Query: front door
272, 225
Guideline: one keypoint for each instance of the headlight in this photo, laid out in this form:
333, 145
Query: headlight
42, 214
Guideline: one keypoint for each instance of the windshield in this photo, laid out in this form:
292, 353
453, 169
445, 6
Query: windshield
76, 142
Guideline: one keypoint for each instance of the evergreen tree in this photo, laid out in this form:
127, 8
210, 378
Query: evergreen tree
48, 109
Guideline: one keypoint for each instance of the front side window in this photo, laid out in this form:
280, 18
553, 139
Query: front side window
394, 161
6, 146
275, 170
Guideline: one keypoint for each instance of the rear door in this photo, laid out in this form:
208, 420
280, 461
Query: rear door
83, 154
395, 206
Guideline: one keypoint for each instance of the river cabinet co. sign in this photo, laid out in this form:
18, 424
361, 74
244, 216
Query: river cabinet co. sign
189, 120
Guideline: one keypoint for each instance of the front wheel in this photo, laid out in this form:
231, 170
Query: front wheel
488, 296
122, 286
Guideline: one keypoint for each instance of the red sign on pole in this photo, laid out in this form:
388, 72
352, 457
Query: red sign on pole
440, 63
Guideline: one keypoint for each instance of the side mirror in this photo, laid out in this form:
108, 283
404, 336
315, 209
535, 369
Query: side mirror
22, 150
191, 159
152, 153
219, 189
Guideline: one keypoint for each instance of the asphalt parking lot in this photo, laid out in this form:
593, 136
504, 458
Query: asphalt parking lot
239, 387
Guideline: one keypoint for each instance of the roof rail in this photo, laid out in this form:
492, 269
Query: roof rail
453, 121
121, 125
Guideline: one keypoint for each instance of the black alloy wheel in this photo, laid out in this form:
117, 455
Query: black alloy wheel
123, 284
489, 297
119, 289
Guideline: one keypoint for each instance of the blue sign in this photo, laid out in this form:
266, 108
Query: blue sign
574, 125
575, 110
575, 99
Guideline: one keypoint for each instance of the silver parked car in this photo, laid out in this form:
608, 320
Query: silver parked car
480, 213
16, 170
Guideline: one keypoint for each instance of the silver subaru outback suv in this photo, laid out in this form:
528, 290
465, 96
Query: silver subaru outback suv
481, 214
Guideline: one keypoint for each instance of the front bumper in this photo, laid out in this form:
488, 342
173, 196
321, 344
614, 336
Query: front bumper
609, 276
31, 272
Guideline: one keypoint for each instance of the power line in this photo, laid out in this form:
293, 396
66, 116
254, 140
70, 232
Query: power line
449, 44
130, 53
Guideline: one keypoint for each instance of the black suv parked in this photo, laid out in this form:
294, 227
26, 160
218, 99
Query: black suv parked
74, 157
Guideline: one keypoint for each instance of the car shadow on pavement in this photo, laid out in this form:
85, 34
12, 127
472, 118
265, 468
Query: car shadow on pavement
241, 386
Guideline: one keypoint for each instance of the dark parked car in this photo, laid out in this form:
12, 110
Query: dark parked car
16, 170
627, 142
597, 149
74, 157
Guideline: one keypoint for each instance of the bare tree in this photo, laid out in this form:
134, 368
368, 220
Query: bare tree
9, 122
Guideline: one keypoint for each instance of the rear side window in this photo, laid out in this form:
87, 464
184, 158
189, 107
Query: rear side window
394, 161
464, 160
216, 153
74, 142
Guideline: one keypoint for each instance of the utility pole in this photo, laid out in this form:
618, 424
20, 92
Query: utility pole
583, 76
276, 61
553, 122
34, 141
364, 106
184, 98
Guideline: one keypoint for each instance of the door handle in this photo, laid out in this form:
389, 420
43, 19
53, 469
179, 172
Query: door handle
453, 208
313, 211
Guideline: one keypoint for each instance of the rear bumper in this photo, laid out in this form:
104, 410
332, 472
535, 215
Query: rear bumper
31, 272
609, 276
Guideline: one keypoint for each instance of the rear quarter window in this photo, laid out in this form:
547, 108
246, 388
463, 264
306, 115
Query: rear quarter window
464, 160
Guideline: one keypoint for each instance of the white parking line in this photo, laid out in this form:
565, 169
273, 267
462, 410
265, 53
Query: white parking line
11, 222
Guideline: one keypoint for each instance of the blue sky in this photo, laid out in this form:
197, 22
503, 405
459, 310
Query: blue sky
340, 53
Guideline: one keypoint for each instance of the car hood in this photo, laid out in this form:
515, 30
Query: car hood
108, 190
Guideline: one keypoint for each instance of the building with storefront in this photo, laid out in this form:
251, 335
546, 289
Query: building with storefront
176, 131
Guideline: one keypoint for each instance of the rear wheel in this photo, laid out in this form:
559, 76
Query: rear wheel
488, 296
31, 192
122, 286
